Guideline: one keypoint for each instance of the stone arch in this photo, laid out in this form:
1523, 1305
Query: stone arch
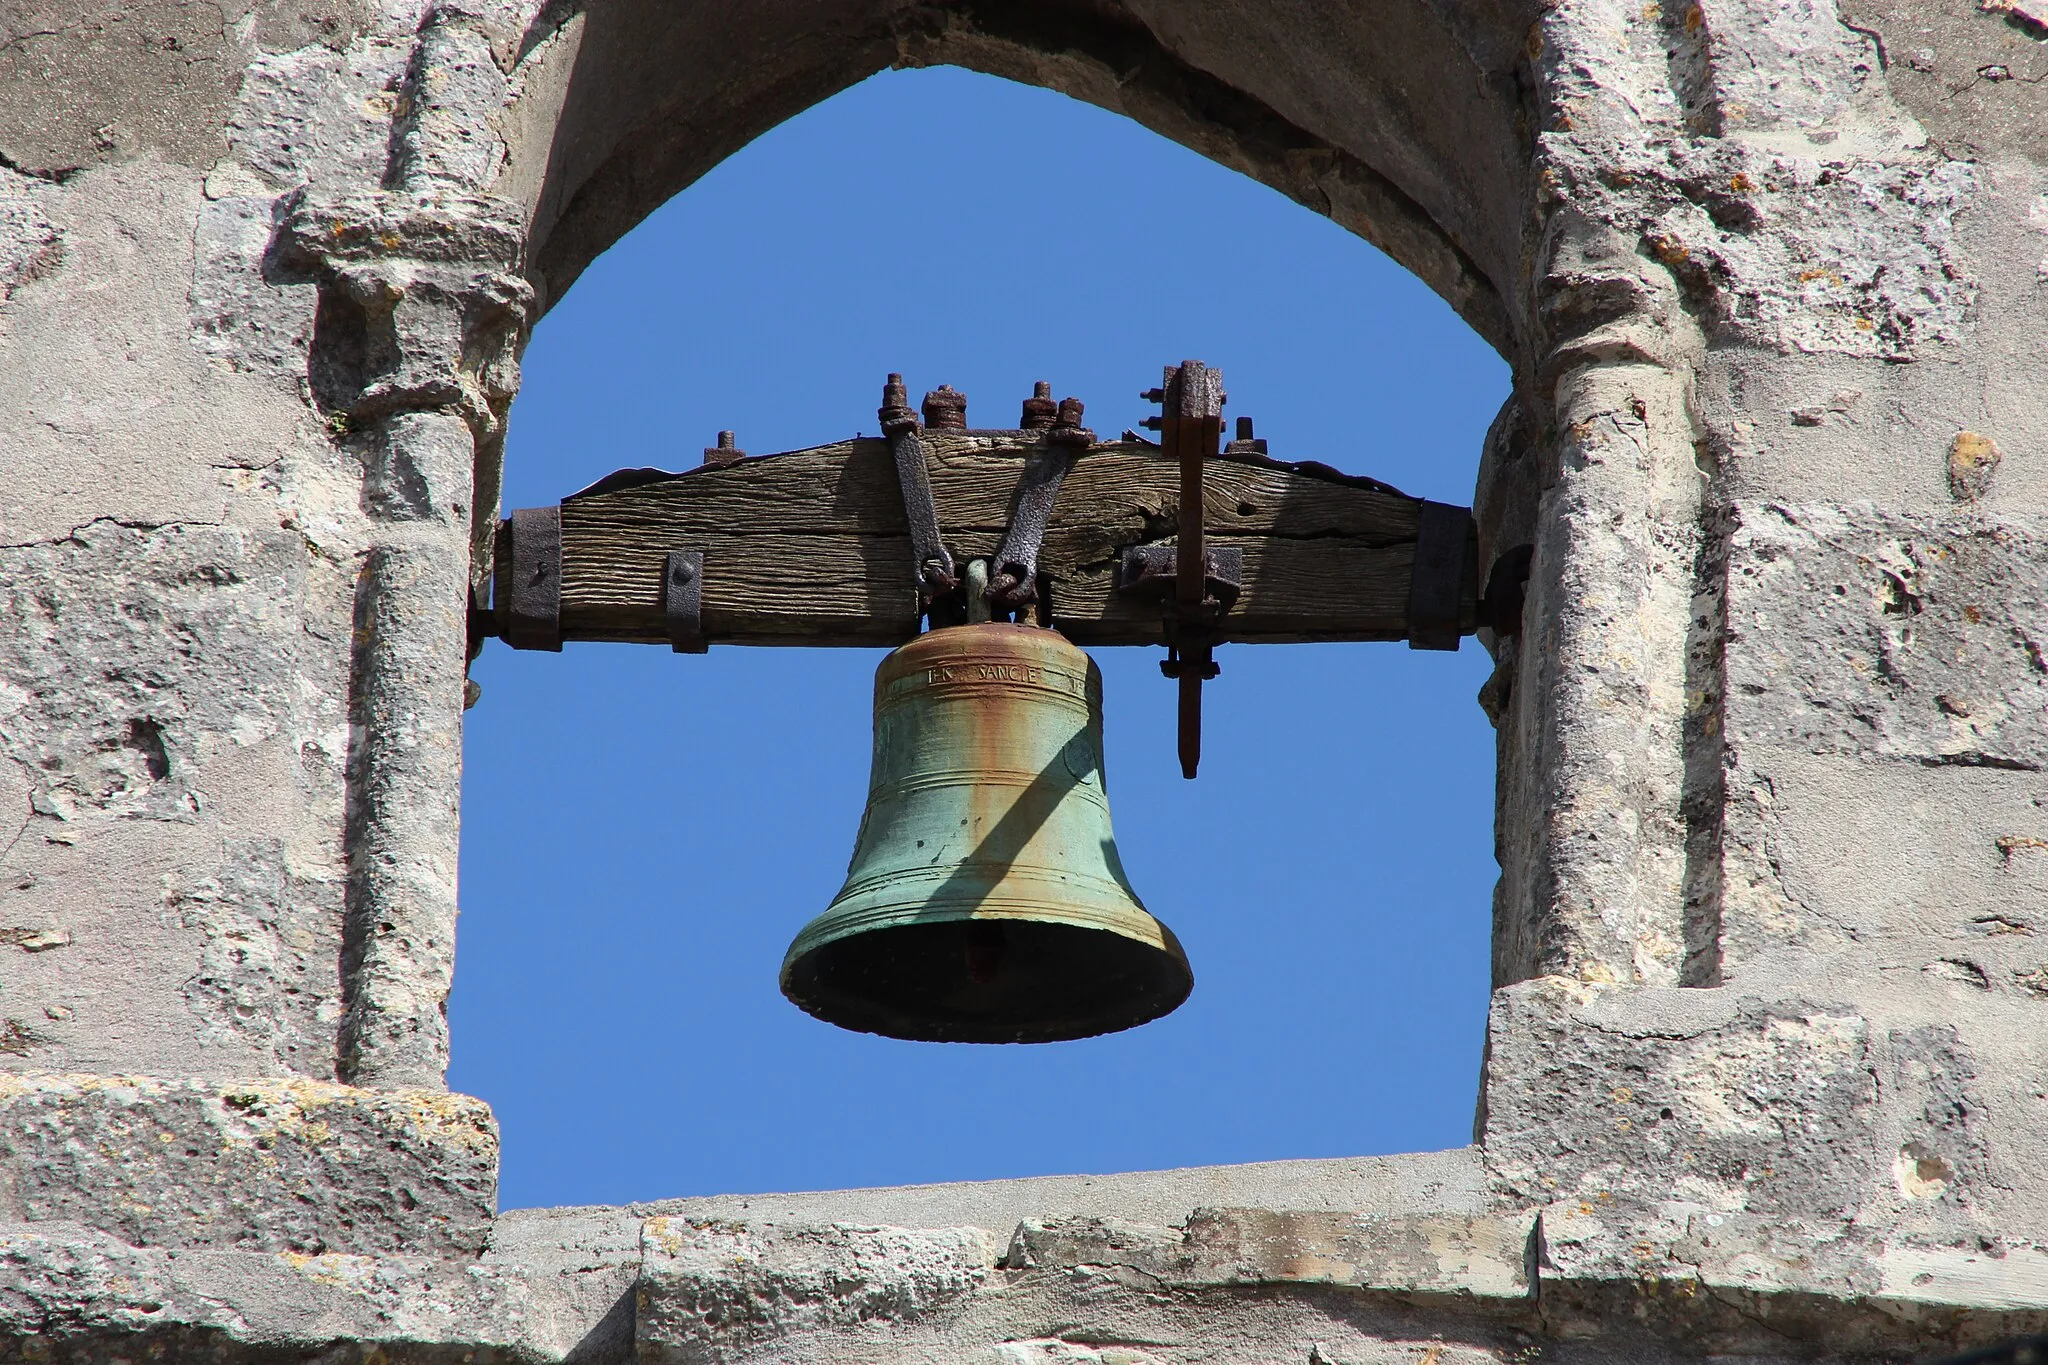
658, 259
1551, 178
523, 144
1408, 125
1413, 125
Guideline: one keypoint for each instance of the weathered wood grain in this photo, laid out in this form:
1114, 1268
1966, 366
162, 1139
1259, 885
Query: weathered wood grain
811, 547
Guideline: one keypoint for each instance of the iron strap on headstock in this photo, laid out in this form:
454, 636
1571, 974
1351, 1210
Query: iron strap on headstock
1190, 428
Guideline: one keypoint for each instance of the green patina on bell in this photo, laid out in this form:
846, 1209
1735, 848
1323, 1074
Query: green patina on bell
986, 902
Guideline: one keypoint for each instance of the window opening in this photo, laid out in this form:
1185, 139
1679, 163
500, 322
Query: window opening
643, 831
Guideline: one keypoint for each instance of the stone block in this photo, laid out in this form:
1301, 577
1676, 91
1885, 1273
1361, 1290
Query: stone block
1919, 1279
1888, 635
177, 745
712, 1291
1905, 867
1447, 1182
68, 1293
1649, 1097
1860, 1113
1714, 1280
1470, 1259
265, 1165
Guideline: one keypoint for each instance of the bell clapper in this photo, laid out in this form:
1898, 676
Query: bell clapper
985, 943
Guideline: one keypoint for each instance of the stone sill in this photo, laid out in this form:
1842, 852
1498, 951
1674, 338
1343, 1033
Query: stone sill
1114, 1270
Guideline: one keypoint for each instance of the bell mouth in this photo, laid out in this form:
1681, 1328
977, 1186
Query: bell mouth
988, 980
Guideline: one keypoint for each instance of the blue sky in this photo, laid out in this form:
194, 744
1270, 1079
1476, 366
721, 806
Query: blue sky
644, 832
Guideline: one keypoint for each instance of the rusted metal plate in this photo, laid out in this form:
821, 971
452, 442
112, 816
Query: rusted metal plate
1191, 429
1153, 572
683, 601
533, 603
932, 568
1445, 563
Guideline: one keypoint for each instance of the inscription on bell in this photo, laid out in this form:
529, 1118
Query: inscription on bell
1019, 673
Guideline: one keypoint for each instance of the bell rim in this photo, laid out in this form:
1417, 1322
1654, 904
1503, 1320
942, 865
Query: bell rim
834, 925
881, 1020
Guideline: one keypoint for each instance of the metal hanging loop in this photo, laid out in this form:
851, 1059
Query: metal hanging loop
1013, 582
931, 565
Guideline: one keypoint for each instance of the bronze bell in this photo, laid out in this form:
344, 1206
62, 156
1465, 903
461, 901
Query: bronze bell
986, 902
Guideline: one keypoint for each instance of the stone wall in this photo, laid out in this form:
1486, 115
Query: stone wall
1768, 1059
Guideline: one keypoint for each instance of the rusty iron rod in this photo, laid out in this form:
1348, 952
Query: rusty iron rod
1191, 429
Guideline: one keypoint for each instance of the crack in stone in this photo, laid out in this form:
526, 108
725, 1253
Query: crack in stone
75, 535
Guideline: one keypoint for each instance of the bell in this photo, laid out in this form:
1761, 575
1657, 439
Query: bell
986, 902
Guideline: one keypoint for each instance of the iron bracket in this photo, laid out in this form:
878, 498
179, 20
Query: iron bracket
1190, 424
1013, 577
533, 616
1151, 571
682, 601
1436, 589
1507, 589
1246, 443
481, 625
725, 454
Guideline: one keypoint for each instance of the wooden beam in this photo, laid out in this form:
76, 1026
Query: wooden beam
811, 547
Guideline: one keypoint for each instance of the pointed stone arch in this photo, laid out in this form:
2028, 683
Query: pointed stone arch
1408, 125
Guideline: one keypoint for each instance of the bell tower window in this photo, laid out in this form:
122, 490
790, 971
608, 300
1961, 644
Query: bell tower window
645, 831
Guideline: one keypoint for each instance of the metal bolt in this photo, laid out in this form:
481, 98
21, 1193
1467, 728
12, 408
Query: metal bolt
1153, 395
895, 410
945, 409
725, 452
1039, 410
1244, 428
1068, 428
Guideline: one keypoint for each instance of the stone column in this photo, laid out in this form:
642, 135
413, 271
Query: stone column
1775, 727
1599, 464
422, 316
255, 331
